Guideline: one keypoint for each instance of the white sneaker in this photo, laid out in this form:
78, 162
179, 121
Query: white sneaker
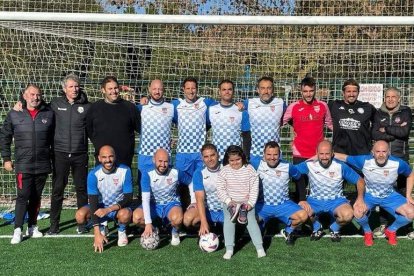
228, 255
17, 236
122, 238
175, 239
34, 232
261, 253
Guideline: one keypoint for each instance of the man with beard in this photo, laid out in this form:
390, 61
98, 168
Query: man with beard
32, 133
351, 121
326, 175
381, 171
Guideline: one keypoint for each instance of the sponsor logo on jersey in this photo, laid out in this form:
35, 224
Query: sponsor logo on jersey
206, 177
301, 109
361, 110
349, 123
383, 119
351, 111
44, 120
63, 109
81, 109
342, 108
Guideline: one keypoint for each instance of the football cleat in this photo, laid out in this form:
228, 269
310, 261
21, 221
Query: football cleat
391, 236
335, 236
289, 237
317, 235
368, 239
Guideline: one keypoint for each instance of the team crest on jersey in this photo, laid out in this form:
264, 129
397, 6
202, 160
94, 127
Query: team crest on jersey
351, 111
115, 180
317, 108
81, 109
44, 121
397, 120
360, 110
331, 174
386, 172
278, 173
164, 110
272, 108
169, 181
231, 119
196, 105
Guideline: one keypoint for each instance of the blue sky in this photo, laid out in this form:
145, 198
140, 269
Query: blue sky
205, 7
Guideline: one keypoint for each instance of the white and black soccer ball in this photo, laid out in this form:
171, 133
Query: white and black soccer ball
151, 242
209, 242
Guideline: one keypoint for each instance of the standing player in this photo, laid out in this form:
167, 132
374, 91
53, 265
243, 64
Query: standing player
274, 175
156, 117
113, 121
32, 133
308, 117
226, 119
381, 171
326, 176
191, 117
351, 121
264, 118
110, 195
208, 204
70, 148
159, 197
392, 124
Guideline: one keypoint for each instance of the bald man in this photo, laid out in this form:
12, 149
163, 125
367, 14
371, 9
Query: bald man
110, 195
326, 175
381, 171
156, 124
160, 198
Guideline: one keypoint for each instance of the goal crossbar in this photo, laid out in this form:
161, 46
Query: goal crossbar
207, 19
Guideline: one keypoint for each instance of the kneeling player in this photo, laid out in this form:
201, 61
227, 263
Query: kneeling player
381, 172
110, 194
208, 204
159, 197
326, 175
274, 175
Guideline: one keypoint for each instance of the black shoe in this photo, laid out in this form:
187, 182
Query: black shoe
335, 236
52, 232
81, 229
289, 238
317, 235
242, 219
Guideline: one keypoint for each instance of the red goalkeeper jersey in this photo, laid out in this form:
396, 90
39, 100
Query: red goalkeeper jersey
307, 121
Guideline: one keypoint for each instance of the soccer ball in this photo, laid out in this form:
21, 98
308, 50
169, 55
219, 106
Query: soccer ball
209, 242
151, 242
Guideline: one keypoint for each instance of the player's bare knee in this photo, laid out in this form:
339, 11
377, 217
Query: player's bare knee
124, 216
176, 220
81, 215
302, 216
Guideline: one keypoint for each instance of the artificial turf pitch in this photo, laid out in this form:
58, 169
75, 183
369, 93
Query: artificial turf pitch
71, 254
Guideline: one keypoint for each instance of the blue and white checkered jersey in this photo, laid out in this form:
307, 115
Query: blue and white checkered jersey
274, 182
110, 188
156, 121
205, 180
162, 187
191, 119
380, 181
226, 124
263, 122
326, 184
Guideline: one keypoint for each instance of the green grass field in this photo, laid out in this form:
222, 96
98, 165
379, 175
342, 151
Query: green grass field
74, 255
